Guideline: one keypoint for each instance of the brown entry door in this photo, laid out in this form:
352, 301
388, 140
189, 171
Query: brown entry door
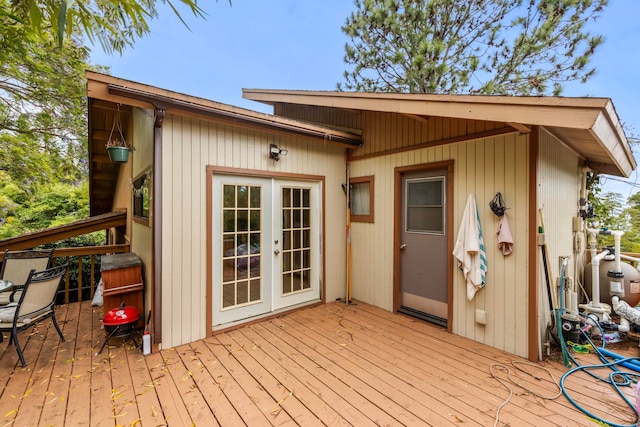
423, 245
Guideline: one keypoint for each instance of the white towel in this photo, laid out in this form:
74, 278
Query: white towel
505, 238
470, 250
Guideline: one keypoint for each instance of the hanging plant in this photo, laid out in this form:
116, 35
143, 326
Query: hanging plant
116, 145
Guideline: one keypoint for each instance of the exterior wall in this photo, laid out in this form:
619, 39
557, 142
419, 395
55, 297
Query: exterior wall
122, 196
189, 146
558, 196
384, 132
482, 167
141, 234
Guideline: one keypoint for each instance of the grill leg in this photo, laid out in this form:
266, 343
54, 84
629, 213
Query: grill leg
112, 333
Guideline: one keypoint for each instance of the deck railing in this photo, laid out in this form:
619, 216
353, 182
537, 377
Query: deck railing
83, 274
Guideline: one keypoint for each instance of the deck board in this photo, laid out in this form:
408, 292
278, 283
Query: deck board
78, 359
55, 405
329, 365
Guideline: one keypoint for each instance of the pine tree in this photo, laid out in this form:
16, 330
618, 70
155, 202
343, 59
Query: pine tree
505, 47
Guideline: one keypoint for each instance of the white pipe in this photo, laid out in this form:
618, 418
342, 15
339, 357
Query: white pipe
593, 243
595, 276
624, 325
626, 312
595, 326
616, 239
629, 258
539, 339
573, 298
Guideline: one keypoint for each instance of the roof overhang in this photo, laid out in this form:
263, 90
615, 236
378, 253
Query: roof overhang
589, 126
125, 92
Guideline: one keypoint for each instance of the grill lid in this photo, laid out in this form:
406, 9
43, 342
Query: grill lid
121, 316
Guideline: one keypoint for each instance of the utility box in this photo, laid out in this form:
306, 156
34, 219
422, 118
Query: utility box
122, 282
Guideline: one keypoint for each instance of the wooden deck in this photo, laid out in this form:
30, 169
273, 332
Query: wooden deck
327, 365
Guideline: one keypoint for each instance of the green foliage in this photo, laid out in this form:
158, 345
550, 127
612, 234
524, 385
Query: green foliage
504, 47
613, 213
114, 24
51, 205
631, 237
43, 97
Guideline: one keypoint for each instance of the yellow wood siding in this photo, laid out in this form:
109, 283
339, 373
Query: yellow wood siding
384, 132
141, 159
482, 167
189, 146
558, 196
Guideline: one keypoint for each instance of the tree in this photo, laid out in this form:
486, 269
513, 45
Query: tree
43, 94
114, 24
506, 47
631, 236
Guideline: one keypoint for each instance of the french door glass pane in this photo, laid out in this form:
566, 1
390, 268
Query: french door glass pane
296, 242
241, 240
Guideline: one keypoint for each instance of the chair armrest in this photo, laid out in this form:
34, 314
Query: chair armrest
16, 288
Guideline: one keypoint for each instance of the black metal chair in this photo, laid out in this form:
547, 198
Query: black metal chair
36, 303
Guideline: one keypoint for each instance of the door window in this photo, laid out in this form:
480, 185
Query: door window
241, 255
425, 205
296, 239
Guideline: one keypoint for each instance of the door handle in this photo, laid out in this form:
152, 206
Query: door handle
403, 247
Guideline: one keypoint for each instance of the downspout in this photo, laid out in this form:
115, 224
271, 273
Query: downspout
348, 191
156, 240
533, 328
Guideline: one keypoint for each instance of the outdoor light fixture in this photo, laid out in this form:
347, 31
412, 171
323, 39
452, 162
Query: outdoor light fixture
275, 152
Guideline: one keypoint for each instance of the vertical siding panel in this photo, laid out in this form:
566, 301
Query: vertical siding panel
484, 192
184, 227
176, 201
514, 202
521, 290
250, 146
559, 186
423, 133
481, 183
460, 193
167, 236
515, 193
497, 309
383, 295
469, 325
198, 218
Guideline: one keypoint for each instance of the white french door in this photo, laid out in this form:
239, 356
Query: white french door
266, 245
297, 248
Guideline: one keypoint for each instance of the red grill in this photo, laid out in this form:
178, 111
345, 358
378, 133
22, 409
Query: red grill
120, 322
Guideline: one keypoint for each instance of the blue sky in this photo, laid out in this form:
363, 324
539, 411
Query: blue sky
298, 44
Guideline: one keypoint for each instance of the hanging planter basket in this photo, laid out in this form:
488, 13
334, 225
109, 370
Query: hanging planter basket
118, 154
116, 146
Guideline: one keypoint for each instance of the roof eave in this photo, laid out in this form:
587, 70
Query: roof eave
594, 115
134, 94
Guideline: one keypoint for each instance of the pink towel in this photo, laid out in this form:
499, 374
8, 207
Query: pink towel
505, 239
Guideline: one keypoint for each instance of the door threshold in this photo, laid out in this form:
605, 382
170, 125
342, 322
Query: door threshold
236, 324
423, 316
